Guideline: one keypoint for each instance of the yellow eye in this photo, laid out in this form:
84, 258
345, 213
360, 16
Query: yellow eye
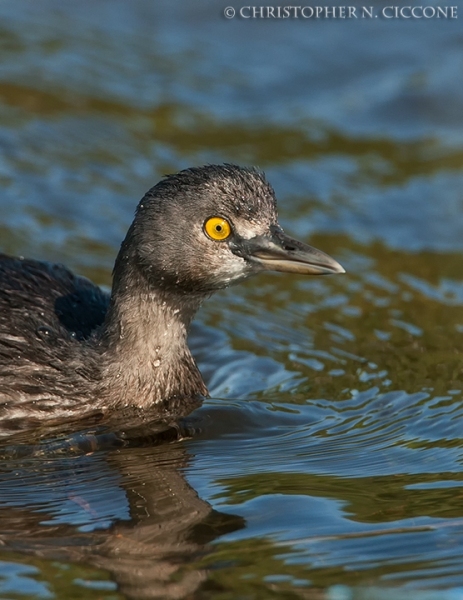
217, 228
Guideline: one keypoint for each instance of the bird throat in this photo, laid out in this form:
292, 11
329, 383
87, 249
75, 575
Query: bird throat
146, 361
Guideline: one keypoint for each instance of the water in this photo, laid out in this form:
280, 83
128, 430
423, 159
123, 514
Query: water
328, 462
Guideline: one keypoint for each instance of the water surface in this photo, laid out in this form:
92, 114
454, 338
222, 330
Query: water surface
328, 462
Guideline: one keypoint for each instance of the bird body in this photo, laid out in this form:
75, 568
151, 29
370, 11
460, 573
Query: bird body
67, 349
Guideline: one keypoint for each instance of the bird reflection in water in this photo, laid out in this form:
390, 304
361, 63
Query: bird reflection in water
128, 510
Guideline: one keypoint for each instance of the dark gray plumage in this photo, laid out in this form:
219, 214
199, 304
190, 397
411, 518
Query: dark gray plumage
67, 350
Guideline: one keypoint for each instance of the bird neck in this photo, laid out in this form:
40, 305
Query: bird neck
146, 361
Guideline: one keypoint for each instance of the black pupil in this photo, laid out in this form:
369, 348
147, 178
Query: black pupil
218, 228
